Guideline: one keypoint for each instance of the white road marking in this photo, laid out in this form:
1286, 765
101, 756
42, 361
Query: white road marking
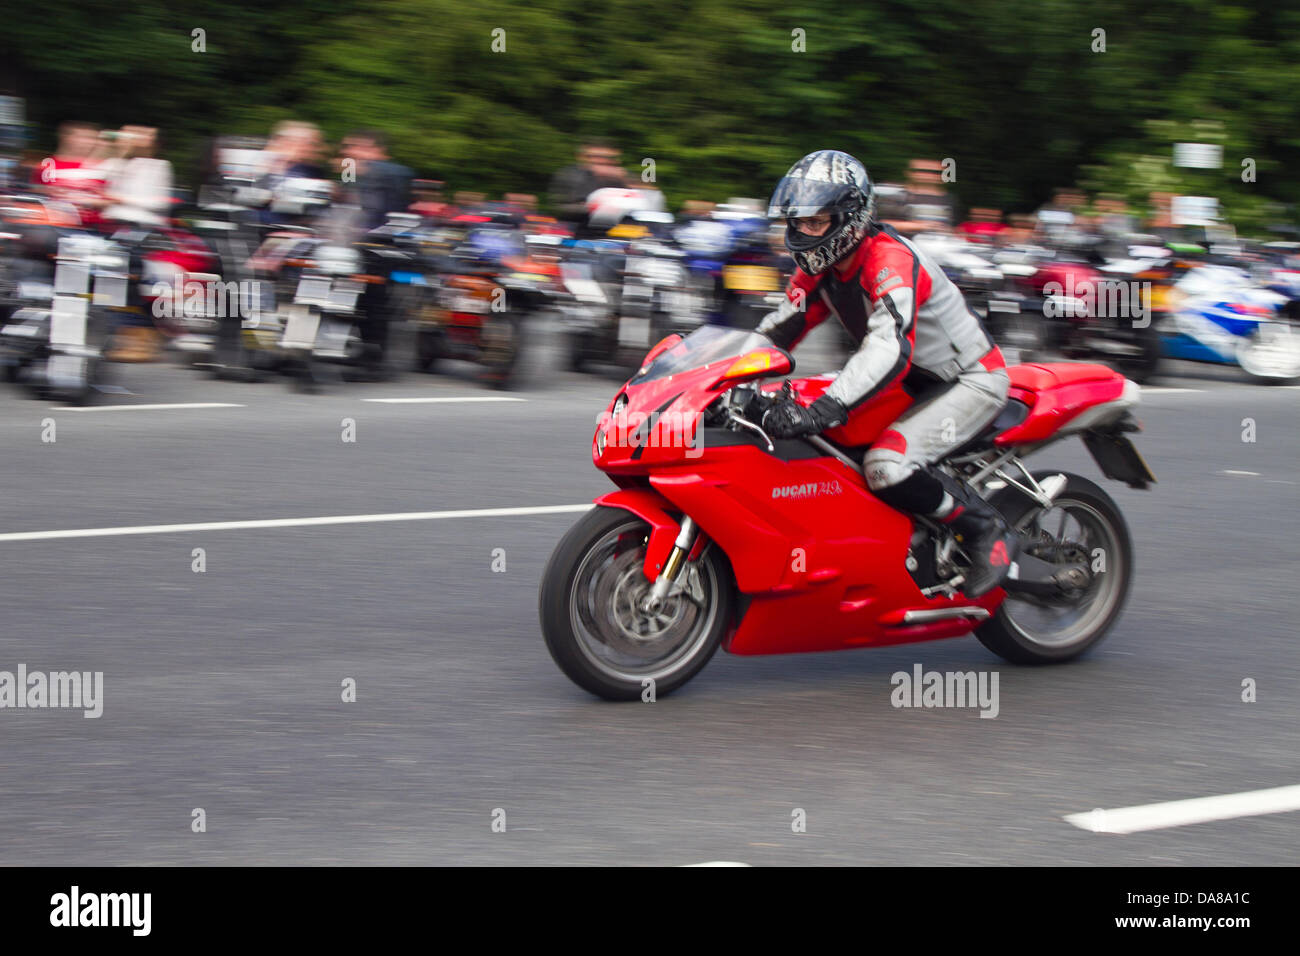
1241, 474
1179, 813
1161, 390
716, 863
427, 401
144, 408
289, 522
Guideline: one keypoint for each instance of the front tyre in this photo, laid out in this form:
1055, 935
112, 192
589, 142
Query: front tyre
1084, 526
589, 605
1272, 355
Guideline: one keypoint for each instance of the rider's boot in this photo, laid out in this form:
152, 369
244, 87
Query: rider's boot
982, 532
989, 542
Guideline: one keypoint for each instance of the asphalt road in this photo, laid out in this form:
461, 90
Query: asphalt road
222, 689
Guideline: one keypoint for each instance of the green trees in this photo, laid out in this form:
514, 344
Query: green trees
721, 94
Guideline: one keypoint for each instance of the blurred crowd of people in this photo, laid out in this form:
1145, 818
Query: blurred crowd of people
116, 175
922, 204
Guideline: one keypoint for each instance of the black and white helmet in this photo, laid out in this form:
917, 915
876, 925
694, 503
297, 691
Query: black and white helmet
827, 181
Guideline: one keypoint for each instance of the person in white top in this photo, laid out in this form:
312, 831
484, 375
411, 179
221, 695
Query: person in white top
139, 189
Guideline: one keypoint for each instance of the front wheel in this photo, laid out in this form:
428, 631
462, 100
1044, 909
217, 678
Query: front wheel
1272, 355
1083, 526
590, 609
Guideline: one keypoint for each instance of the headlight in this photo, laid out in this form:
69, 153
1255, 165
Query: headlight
600, 442
620, 403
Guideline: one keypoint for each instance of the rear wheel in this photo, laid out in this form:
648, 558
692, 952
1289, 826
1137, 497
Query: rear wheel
1084, 526
1141, 357
589, 604
428, 347
502, 342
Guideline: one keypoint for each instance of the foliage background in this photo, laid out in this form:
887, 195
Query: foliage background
710, 89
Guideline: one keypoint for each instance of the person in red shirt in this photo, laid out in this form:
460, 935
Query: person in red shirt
72, 173
984, 225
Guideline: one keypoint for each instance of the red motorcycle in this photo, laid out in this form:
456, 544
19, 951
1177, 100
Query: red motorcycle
720, 535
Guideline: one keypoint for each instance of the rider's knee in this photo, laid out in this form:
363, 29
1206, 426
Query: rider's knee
885, 467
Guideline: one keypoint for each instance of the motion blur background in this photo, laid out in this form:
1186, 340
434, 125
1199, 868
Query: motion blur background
712, 91
1037, 142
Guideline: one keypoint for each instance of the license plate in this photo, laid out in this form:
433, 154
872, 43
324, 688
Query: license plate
751, 278
313, 290
1001, 306
300, 328
678, 302
344, 295
35, 290
467, 303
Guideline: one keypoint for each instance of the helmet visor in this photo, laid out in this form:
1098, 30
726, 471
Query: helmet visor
796, 197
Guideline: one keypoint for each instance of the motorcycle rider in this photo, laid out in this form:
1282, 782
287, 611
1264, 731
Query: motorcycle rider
912, 327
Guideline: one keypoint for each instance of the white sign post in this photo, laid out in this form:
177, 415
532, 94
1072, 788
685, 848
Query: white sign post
1198, 155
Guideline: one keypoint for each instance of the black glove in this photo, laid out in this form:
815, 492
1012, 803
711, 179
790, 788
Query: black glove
787, 418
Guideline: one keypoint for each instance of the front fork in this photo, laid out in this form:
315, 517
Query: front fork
672, 567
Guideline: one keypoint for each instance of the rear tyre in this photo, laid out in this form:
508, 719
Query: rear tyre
589, 609
502, 346
575, 353
1091, 531
427, 350
1143, 360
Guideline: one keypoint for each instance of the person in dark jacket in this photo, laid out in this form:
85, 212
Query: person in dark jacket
378, 184
597, 168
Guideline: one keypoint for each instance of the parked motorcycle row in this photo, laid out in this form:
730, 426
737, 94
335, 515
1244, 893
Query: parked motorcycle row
1228, 304
250, 287
301, 293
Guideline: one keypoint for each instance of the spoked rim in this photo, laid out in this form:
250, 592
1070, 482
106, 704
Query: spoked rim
612, 632
1078, 529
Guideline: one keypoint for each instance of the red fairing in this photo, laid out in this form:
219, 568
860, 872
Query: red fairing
1056, 393
821, 559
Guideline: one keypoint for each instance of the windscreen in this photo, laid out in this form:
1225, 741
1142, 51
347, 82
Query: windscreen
710, 343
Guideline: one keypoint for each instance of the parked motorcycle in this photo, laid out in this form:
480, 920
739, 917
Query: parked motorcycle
477, 305
1217, 314
1087, 314
622, 295
719, 536
53, 342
